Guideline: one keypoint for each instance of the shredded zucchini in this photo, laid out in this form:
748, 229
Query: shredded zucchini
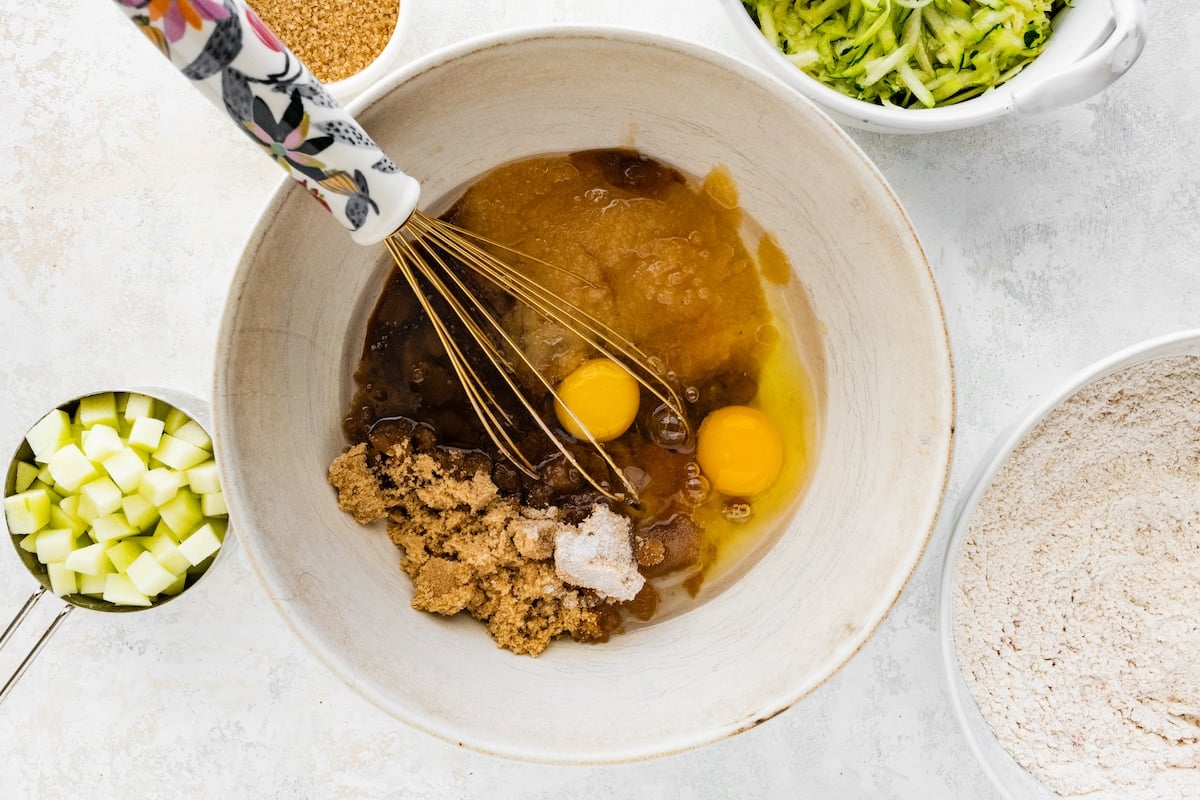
908, 53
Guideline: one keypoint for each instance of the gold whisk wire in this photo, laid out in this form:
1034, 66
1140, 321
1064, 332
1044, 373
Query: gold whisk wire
418, 250
466, 246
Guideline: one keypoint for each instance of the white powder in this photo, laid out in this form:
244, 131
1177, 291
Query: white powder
599, 555
1077, 604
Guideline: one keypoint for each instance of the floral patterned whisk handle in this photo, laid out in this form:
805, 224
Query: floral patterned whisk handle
239, 64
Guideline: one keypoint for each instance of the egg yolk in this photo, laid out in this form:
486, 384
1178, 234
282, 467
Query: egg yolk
602, 395
740, 450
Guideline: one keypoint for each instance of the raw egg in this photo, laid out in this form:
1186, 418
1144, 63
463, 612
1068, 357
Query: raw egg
740, 450
602, 396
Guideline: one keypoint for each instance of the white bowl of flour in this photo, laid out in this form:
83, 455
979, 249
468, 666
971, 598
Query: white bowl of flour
1070, 595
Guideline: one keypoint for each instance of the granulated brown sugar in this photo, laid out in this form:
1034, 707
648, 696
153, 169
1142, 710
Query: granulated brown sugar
334, 38
468, 548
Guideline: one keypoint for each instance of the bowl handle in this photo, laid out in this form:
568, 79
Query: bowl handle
1093, 72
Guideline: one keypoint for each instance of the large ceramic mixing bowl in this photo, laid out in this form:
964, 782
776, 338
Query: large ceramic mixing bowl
293, 331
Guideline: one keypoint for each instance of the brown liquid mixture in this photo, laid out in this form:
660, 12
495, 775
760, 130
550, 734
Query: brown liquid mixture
656, 258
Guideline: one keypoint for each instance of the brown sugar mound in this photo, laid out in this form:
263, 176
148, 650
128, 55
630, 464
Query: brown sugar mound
467, 547
334, 38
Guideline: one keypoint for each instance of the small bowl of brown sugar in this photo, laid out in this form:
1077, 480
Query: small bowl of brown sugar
348, 44
1069, 610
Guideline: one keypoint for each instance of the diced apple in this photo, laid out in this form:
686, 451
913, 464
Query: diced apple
26, 475
55, 495
146, 433
178, 586
90, 560
138, 406
70, 505
203, 478
102, 441
200, 545
179, 454
182, 513
192, 433
126, 468
97, 409
139, 512
27, 511
62, 580
118, 589
203, 566
159, 485
49, 434
148, 576
93, 585
61, 519
110, 527
71, 468
54, 544
166, 551
175, 420
99, 497
125, 552
124, 462
213, 504
219, 525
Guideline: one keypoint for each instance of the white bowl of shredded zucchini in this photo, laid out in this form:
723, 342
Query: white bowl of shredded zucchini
921, 66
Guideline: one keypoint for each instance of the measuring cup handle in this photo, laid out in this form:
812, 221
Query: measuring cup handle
235, 60
1095, 71
37, 646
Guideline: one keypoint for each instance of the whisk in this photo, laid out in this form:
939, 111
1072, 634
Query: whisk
228, 53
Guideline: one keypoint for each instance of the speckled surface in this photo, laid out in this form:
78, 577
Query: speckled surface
1055, 241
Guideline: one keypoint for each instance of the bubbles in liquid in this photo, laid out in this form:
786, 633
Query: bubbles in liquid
766, 334
691, 394
692, 470
696, 489
637, 477
738, 512
667, 429
417, 376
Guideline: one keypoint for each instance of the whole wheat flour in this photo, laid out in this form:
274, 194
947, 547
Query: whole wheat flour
1077, 603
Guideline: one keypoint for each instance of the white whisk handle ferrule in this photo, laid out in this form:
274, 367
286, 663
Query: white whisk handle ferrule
237, 62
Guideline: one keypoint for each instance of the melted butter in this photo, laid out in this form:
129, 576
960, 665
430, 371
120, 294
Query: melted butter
719, 186
773, 263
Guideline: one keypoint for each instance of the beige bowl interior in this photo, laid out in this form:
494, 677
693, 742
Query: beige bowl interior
293, 329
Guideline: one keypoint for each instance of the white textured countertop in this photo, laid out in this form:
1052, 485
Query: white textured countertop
1054, 241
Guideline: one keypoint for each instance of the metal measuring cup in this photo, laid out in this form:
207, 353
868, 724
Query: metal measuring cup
197, 410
